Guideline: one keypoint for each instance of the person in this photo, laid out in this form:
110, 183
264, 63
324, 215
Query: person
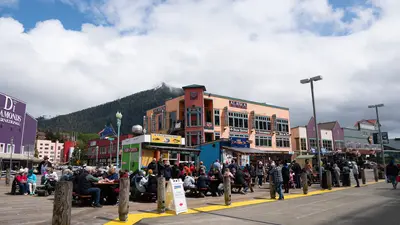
260, 173
202, 166
346, 174
286, 177
44, 165
67, 175
189, 181
203, 182
86, 180
22, 182
153, 166
167, 170
51, 174
112, 175
141, 181
239, 180
31, 179
355, 173
336, 171
151, 182
276, 173
392, 171
297, 173
217, 165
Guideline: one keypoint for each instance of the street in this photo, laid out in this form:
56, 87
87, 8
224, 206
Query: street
371, 205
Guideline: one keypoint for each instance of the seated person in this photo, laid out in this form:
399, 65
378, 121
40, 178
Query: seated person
141, 181
21, 179
85, 185
31, 180
189, 181
239, 180
152, 182
67, 175
112, 175
203, 181
216, 180
51, 175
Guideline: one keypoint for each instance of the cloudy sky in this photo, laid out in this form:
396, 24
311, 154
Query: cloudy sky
65, 55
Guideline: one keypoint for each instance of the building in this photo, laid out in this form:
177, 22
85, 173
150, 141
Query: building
17, 133
325, 135
201, 117
53, 150
299, 140
359, 139
392, 150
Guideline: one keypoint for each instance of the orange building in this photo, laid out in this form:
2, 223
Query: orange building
201, 117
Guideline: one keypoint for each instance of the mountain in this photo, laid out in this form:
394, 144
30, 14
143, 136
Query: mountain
93, 119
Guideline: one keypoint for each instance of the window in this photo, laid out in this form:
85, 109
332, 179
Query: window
2, 148
193, 138
193, 117
282, 142
313, 143
10, 148
46, 144
239, 135
51, 147
172, 119
263, 141
208, 115
41, 147
217, 121
238, 120
339, 144
217, 136
46, 148
41, 143
160, 120
263, 123
303, 144
59, 148
282, 125
40, 156
327, 144
153, 123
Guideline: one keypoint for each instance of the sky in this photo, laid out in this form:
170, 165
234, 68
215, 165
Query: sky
61, 56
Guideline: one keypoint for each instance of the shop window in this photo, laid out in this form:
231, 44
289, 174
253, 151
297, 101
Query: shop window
172, 119
238, 120
339, 144
193, 117
303, 144
282, 142
217, 118
327, 144
313, 143
263, 122
217, 135
263, 141
282, 125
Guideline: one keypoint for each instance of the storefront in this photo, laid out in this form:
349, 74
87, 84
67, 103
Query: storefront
244, 156
139, 151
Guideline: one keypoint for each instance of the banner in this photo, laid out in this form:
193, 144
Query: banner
166, 139
238, 142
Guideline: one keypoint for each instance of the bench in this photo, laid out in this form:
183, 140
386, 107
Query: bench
81, 199
236, 188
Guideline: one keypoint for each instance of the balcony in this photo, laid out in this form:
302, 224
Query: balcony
178, 128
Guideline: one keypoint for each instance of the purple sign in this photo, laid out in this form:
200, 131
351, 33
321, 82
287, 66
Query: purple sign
12, 111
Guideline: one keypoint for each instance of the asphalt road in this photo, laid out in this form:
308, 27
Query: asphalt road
371, 205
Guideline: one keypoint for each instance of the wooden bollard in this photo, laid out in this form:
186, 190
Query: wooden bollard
363, 179
227, 190
62, 203
272, 191
337, 178
161, 195
304, 180
376, 174
8, 176
329, 179
123, 207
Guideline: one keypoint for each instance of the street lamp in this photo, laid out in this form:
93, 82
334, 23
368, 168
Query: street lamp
379, 128
311, 81
118, 115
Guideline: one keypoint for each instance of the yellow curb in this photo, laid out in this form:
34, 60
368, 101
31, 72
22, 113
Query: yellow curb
134, 218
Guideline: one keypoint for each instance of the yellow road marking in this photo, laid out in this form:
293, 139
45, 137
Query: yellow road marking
134, 218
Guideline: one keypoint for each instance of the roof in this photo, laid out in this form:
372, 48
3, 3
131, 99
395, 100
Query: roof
247, 101
327, 125
171, 148
253, 150
194, 86
371, 121
19, 157
393, 144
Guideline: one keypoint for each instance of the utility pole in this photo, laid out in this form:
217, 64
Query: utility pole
379, 130
97, 155
12, 149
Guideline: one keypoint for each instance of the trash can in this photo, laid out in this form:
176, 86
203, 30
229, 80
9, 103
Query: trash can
324, 183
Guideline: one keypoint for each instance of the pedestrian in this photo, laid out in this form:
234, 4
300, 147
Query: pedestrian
286, 176
355, 172
336, 172
276, 173
297, 173
260, 173
392, 171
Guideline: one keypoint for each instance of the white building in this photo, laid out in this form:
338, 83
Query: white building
53, 150
299, 140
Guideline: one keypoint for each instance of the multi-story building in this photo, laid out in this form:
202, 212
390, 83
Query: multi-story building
299, 140
201, 117
360, 138
53, 150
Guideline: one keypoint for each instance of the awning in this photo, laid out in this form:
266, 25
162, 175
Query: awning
254, 151
171, 148
7, 156
305, 156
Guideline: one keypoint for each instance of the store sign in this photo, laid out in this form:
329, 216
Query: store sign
238, 142
126, 150
166, 139
11, 110
159, 109
279, 133
209, 126
237, 104
235, 129
263, 132
175, 198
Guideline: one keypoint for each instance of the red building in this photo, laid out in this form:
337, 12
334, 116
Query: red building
68, 148
105, 150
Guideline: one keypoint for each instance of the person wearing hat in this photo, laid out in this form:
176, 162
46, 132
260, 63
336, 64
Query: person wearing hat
43, 165
31, 182
22, 182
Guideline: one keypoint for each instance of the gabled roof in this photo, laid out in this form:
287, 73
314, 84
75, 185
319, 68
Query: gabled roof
393, 144
371, 121
327, 125
194, 86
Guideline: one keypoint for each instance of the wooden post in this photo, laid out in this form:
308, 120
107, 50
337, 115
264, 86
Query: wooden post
8, 176
363, 176
161, 195
123, 207
227, 190
376, 174
272, 191
304, 182
62, 203
329, 179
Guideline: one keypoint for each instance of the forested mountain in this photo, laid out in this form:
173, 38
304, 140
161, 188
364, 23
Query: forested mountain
93, 119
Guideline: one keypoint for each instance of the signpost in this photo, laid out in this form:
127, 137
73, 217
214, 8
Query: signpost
175, 196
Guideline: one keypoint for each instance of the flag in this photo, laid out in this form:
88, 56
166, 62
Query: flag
107, 132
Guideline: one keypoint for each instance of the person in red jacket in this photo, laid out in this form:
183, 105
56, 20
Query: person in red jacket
22, 182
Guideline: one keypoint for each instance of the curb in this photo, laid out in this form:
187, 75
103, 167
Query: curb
136, 217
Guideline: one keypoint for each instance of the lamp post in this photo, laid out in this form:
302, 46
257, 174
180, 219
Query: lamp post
311, 81
12, 149
111, 147
118, 115
97, 155
379, 129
